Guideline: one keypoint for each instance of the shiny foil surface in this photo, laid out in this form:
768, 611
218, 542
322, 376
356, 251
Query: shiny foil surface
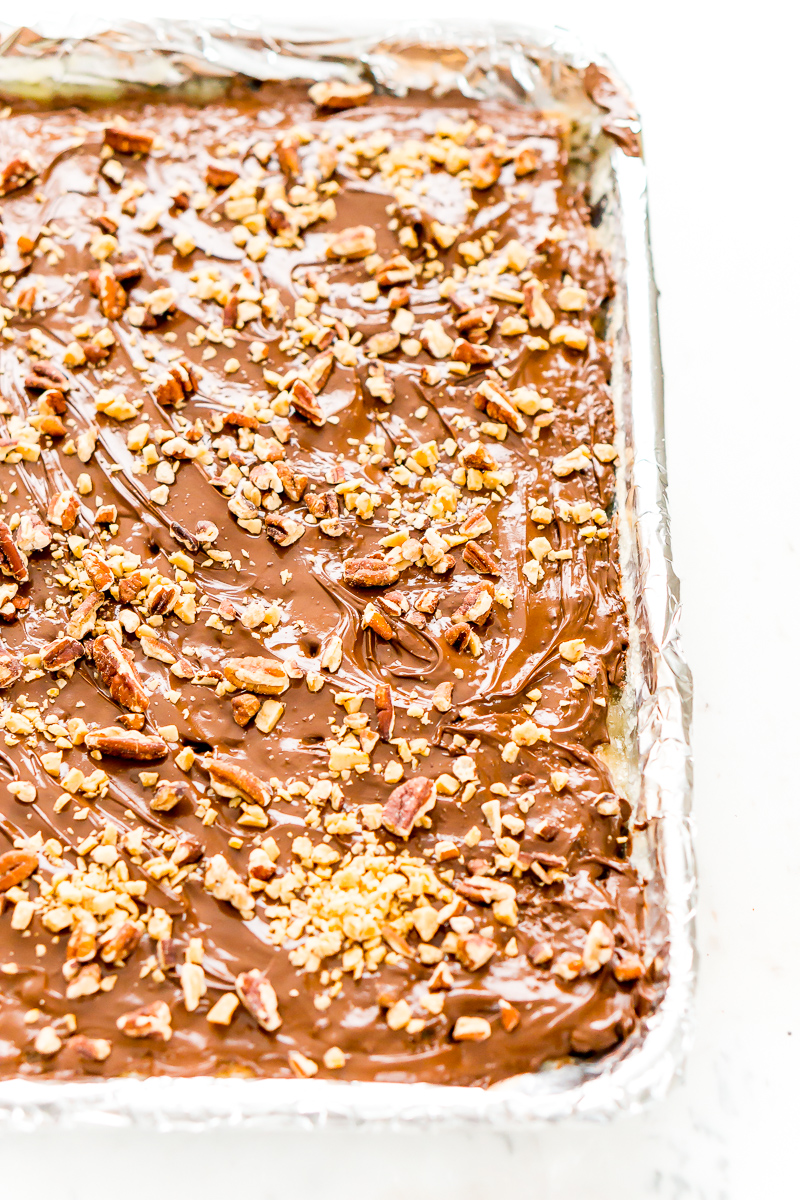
653, 766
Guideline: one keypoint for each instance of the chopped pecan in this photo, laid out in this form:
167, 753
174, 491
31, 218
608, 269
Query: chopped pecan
336, 94
625, 966
130, 586
12, 560
218, 177
82, 618
115, 666
288, 158
475, 524
474, 951
407, 804
169, 793
184, 537
179, 382
229, 774
477, 604
44, 377
427, 602
476, 356
278, 221
479, 559
509, 1016
61, 653
395, 271
483, 890
537, 310
459, 636
16, 174
598, 947
244, 708
294, 483
306, 404
119, 942
382, 343
323, 505
385, 710
92, 1049
283, 530
109, 291
240, 420
484, 167
356, 242
15, 866
526, 159
318, 371
373, 618
491, 399
126, 743
63, 509
258, 996
370, 572
150, 1021
128, 141
265, 676
98, 570
163, 598
82, 942
188, 850
477, 321
11, 669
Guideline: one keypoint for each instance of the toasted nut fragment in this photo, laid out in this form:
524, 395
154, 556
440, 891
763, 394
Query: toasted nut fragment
83, 617
306, 404
119, 943
264, 676
16, 174
285, 531
526, 159
244, 708
323, 505
407, 804
11, 669
179, 382
385, 710
220, 177
356, 242
130, 586
318, 371
92, 1049
395, 270
258, 996
98, 570
336, 95
294, 483
15, 866
509, 1016
63, 510
477, 604
538, 311
150, 1021
188, 850
476, 356
479, 559
110, 292
126, 743
61, 653
471, 1029
12, 560
288, 158
303, 1067
116, 669
128, 141
45, 377
370, 572
373, 618
169, 793
32, 533
484, 167
598, 947
229, 774
480, 889
474, 951
625, 967
491, 399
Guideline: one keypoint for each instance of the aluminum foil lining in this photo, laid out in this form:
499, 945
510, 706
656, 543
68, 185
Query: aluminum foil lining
543, 68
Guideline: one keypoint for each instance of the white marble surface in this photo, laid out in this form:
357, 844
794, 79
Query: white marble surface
716, 85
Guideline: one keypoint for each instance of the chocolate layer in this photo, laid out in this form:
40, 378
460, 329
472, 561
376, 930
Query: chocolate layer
312, 596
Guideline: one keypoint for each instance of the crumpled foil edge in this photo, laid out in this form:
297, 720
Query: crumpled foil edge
543, 67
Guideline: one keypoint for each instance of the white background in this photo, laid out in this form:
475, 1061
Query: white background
717, 88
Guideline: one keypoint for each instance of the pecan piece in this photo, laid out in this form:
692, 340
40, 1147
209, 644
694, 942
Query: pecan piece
98, 570
476, 356
11, 669
119, 942
335, 94
370, 572
188, 850
265, 676
294, 483
385, 710
12, 560
258, 996
113, 298
130, 586
229, 774
537, 310
163, 598
318, 371
169, 793
626, 966
484, 167
32, 533
491, 399
323, 505
184, 537
220, 177
373, 618
92, 1049
63, 510
479, 559
306, 404
150, 1021
45, 377
480, 889
83, 617
15, 866
61, 653
394, 271
244, 708
283, 530
477, 604
288, 158
126, 743
477, 321
526, 160
407, 804
116, 668
179, 382
16, 174
474, 951
356, 242
460, 637
128, 141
